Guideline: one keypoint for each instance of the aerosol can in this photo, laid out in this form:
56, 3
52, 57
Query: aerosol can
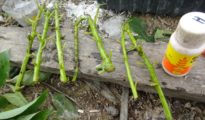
185, 44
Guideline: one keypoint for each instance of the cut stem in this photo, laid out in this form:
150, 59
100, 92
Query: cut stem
157, 86
42, 44
153, 74
63, 77
76, 47
106, 65
127, 66
30, 38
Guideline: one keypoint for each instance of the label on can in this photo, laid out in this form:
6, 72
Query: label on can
177, 63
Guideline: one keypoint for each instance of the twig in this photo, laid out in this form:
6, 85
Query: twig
42, 44
30, 38
106, 65
76, 45
63, 77
127, 66
153, 75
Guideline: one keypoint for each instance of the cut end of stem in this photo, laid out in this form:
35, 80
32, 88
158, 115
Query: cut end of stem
18, 88
63, 78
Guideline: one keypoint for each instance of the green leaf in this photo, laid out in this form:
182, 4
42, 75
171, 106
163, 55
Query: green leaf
65, 107
26, 109
138, 26
7, 107
27, 80
16, 99
162, 34
3, 102
4, 67
42, 115
27, 117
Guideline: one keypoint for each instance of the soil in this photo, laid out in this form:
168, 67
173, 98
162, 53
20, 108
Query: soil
93, 105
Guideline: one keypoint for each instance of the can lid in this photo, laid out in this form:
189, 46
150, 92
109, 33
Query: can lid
190, 32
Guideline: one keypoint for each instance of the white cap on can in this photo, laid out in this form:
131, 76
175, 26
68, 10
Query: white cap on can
190, 32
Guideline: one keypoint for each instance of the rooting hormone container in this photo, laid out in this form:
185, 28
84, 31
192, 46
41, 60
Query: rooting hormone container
185, 45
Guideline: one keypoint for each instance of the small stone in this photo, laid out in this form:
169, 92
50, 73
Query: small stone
177, 104
131, 118
203, 113
139, 114
112, 111
155, 114
1, 19
1, 3
187, 116
197, 109
187, 105
197, 118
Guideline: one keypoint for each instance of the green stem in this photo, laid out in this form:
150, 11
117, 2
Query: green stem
96, 15
30, 38
106, 65
63, 77
157, 86
127, 66
76, 45
153, 75
42, 43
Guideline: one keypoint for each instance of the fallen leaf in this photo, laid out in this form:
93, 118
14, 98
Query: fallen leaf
65, 108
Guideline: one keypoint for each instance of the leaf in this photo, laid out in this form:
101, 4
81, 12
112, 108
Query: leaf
65, 108
8, 107
5, 105
27, 117
27, 80
3, 102
16, 99
138, 26
42, 115
162, 34
26, 109
4, 67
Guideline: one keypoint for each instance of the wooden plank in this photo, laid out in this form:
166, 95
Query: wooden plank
191, 86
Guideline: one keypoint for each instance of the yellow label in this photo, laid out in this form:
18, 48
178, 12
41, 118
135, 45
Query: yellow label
177, 63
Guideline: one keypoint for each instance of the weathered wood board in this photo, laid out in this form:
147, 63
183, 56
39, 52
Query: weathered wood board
191, 86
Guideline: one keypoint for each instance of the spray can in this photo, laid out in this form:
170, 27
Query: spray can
185, 44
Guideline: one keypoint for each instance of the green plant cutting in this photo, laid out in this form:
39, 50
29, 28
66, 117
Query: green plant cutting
106, 64
127, 66
152, 72
42, 43
76, 47
63, 77
30, 38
